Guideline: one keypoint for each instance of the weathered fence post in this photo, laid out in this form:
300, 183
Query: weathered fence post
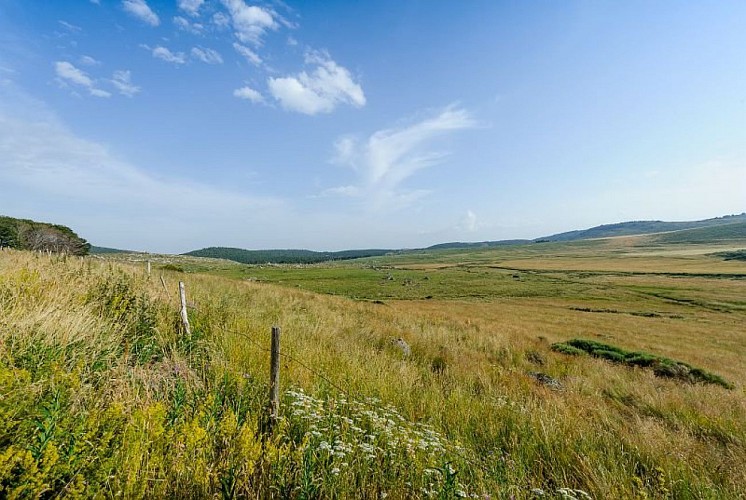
165, 288
274, 379
148, 269
184, 316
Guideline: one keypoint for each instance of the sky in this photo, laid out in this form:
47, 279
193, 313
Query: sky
172, 125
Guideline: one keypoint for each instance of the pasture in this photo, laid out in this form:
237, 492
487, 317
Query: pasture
104, 395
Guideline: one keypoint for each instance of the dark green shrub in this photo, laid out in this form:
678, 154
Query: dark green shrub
610, 355
662, 367
172, 267
568, 349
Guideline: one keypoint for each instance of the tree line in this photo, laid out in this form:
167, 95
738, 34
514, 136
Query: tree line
24, 234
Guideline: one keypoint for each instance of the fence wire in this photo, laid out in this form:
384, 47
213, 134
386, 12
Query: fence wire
454, 449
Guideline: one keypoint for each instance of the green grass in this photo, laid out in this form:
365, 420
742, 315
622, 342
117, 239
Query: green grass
103, 393
707, 235
734, 255
661, 366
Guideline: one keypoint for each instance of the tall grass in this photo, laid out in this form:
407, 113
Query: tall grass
102, 394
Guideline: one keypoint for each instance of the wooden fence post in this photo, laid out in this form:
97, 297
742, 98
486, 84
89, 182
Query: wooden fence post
184, 316
148, 269
165, 288
274, 379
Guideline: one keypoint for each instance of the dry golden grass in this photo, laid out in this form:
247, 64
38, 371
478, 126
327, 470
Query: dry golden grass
611, 431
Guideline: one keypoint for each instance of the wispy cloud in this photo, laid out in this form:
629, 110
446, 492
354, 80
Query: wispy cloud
141, 10
320, 91
391, 156
185, 24
207, 56
69, 75
250, 22
191, 7
89, 61
248, 94
249, 54
70, 27
165, 54
469, 222
42, 159
122, 80
221, 20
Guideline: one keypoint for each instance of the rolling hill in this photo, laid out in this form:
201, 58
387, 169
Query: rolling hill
710, 234
719, 228
640, 227
283, 256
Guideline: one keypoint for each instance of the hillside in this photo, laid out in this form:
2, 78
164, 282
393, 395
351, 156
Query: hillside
106, 250
479, 244
290, 256
282, 256
710, 234
24, 234
640, 227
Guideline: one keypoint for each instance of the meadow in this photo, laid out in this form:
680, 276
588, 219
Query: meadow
103, 394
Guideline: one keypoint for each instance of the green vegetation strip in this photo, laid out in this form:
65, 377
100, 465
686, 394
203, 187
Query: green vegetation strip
662, 367
734, 255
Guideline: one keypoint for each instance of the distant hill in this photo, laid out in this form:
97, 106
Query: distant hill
25, 234
640, 227
311, 257
727, 227
283, 256
711, 234
479, 244
103, 250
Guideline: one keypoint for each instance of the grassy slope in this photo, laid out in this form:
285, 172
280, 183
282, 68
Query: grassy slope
707, 235
103, 393
642, 227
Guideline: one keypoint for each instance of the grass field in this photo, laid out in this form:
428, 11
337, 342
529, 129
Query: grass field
102, 394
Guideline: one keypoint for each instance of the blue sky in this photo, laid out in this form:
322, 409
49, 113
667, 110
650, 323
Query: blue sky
170, 125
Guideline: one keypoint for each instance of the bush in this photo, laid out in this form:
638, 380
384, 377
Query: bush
568, 349
610, 355
662, 367
172, 267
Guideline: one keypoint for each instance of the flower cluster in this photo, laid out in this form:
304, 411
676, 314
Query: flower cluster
343, 436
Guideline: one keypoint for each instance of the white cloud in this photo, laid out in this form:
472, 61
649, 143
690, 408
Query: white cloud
345, 149
221, 20
249, 54
141, 10
191, 7
99, 93
391, 156
89, 61
321, 91
44, 162
249, 94
207, 56
68, 74
185, 25
469, 222
348, 191
72, 74
122, 80
70, 27
250, 22
166, 55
